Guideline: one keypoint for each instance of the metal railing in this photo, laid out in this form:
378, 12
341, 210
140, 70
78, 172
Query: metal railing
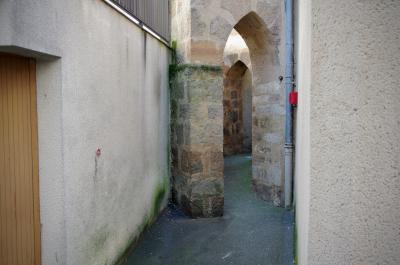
153, 14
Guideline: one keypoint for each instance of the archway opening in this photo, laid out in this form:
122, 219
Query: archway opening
267, 112
237, 105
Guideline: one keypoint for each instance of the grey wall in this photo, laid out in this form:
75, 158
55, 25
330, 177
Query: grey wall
102, 83
348, 148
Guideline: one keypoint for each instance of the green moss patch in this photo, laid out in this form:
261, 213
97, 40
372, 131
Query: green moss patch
176, 68
295, 262
158, 203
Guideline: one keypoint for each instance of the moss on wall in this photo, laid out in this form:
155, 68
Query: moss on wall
158, 203
295, 262
176, 68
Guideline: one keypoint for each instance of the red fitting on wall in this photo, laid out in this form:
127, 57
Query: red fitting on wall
98, 152
293, 98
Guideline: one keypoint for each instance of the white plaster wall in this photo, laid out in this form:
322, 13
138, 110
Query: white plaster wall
354, 178
302, 124
108, 89
51, 164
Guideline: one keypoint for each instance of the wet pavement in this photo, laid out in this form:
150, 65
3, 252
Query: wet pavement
251, 232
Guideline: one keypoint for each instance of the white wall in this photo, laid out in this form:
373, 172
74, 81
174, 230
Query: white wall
348, 148
302, 125
102, 83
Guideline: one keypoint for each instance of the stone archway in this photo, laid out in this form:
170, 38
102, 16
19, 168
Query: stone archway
196, 100
268, 109
237, 109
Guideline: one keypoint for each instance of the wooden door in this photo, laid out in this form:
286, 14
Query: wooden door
19, 180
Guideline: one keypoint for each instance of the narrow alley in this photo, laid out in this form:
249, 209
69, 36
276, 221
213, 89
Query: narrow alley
251, 231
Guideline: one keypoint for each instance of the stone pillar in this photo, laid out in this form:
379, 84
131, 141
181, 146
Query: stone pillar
197, 139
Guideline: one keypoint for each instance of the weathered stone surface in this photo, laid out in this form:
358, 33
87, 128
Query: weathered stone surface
198, 27
268, 192
205, 51
191, 162
220, 28
233, 109
215, 111
260, 24
216, 161
197, 141
237, 7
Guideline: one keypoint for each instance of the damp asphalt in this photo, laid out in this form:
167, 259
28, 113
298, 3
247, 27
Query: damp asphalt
251, 232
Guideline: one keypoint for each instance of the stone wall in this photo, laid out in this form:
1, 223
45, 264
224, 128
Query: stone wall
259, 22
196, 129
247, 98
236, 50
233, 109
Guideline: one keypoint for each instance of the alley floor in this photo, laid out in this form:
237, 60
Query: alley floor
251, 231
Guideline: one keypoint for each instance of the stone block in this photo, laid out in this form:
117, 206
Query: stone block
177, 89
174, 160
179, 138
203, 198
234, 94
184, 111
220, 29
198, 27
216, 161
215, 111
191, 162
233, 116
235, 104
237, 7
267, 192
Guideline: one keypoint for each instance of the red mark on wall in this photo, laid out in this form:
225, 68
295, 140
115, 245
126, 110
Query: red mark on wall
98, 152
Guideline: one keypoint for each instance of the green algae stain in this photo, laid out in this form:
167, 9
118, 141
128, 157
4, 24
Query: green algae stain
97, 243
176, 68
295, 247
158, 203
159, 199
174, 46
99, 240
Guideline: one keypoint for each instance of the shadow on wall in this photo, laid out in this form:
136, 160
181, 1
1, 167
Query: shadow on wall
237, 109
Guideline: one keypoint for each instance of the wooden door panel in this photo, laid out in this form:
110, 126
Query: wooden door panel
19, 204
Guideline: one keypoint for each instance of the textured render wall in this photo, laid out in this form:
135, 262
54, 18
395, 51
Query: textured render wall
354, 133
260, 24
108, 90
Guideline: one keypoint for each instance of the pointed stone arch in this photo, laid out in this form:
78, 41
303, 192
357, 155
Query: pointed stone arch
203, 27
268, 107
234, 104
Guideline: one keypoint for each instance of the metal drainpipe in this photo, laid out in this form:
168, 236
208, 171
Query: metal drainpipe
289, 58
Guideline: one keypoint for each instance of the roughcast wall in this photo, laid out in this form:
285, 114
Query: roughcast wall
348, 148
102, 84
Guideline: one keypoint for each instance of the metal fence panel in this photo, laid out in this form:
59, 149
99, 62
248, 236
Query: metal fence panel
152, 13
